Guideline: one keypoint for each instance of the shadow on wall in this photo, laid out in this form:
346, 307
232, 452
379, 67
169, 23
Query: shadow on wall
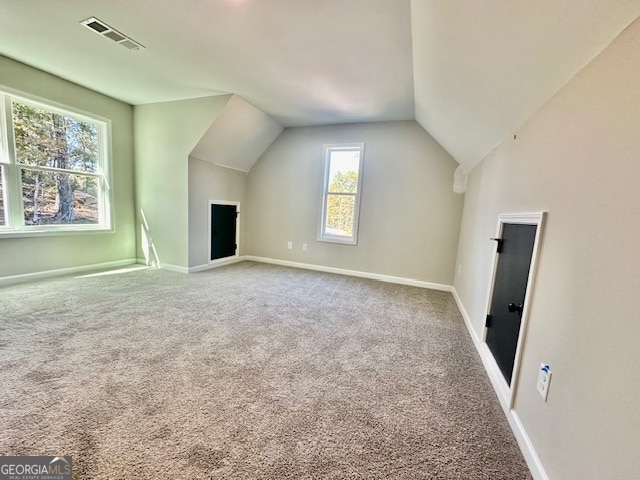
148, 247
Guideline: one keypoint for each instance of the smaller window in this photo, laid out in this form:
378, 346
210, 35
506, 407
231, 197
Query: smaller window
341, 193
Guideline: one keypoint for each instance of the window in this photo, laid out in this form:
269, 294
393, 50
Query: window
53, 169
2, 220
341, 193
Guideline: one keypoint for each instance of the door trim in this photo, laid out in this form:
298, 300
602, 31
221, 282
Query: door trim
530, 218
237, 254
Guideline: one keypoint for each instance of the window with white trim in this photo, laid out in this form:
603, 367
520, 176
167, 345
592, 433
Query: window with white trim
54, 168
341, 193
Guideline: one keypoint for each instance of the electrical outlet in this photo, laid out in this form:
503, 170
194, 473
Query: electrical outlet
289, 245
304, 247
544, 377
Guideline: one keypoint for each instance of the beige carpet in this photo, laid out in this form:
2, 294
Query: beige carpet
248, 371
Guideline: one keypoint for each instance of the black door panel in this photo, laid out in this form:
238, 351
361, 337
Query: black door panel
223, 231
510, 286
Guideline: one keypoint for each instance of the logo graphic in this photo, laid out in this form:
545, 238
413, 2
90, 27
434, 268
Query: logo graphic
36, 468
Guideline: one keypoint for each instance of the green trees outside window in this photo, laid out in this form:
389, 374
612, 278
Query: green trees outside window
341, 194
53, 169
47, 139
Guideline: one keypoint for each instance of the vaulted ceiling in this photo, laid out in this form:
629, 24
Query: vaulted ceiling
469, 71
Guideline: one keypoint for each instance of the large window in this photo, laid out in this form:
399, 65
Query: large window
53, 169
341, 193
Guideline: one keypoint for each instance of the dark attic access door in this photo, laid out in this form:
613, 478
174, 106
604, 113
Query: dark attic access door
224, 223
515, 250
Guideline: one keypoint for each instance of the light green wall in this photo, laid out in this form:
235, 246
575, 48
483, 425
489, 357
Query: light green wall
211, 182
20, 256
578, 158
409, 216
165, 134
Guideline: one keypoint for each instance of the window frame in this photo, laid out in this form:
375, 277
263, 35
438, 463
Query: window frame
12, 183
323, 236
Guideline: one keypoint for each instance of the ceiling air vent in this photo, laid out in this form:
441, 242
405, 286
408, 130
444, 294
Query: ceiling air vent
105, 30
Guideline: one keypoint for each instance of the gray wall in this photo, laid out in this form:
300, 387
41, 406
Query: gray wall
165, 134
211, 182
409, 216
578, 158
37, 254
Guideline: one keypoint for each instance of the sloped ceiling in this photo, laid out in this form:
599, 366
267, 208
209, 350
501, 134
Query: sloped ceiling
238, 136
482, 68
469, 71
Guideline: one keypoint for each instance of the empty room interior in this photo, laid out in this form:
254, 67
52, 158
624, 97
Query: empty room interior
308, 239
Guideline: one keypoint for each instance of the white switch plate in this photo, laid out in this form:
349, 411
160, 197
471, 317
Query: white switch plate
544, 377
304, 247
289, 245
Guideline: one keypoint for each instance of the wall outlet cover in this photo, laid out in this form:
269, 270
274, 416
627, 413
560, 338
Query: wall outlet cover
544, 377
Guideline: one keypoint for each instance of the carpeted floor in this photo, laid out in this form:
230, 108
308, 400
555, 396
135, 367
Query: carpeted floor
249, 371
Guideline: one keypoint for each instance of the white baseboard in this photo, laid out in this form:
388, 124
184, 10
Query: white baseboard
467, 319
30, 277
216, 263
166, 266
353, 273
197, 268
174, 268
529, 453
494, 374
307, 266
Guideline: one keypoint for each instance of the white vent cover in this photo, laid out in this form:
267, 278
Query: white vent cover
101, 28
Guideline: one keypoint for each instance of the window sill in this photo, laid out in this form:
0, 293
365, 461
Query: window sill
340, 240
51, 232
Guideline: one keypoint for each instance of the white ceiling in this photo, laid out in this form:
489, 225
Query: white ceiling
478, 68
482, 68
